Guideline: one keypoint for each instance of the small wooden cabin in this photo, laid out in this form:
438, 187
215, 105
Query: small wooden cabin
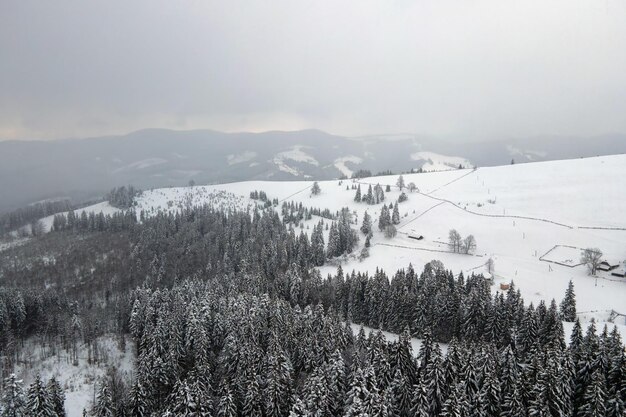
504, 287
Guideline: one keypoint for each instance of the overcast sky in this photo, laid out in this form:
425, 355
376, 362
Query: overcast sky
488, 69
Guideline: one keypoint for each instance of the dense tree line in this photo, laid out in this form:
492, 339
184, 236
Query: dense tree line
16, 219
295, 213
374, 195
122, 197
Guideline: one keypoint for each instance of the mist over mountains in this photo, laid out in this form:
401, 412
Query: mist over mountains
84, 169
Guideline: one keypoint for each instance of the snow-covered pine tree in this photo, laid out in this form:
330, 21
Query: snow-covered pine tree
594, 399
315, 189
38, 403
333, 245
421, 401
384, 220
456, 405
366, 227
253, 401
298, 409
104, 406
317, 245
395, 218
12, 403
369, 197
434, 375
568, 305
316, 393
357, 196
400, 392
57, 397
138, 402
227, 407
278, 383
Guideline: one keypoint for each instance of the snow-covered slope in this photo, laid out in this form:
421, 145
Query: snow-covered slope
516, 212
436, 162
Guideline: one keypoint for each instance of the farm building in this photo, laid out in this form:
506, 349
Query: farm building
606, 266
621, 273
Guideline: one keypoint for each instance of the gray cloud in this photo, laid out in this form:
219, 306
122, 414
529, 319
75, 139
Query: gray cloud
487, 68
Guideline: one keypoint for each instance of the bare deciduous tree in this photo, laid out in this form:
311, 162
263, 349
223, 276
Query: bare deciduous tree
469, 244
490, 265
412, 186
591, 257
454, 240
400, 182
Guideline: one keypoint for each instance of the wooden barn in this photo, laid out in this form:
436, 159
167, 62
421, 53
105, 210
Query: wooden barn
606, 266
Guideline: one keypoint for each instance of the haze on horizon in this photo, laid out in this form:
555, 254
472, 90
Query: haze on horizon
473, 69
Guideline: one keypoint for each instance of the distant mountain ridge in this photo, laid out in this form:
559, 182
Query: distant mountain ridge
87, 168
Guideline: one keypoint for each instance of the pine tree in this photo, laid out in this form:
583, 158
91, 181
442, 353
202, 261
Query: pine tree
421, 401
38, 403
277, 389
357, 196
315, 189
104, 402
395, 218
57, 397
316, 395
568, 305
400, 405
366, 227
253, 402
298, 409
227, 406
595, 397
513, 404
12, 403
138, 401
369, 197
456, 405
384, 220
317, 245
333, 247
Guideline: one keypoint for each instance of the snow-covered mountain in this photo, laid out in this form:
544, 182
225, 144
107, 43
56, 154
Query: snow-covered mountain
88, 168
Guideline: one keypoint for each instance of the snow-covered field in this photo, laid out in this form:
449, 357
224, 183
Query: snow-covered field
516, 212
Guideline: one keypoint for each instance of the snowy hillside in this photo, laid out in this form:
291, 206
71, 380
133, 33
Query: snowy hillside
436, 162
517, 214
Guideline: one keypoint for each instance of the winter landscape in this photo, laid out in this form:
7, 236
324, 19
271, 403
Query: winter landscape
342, 208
